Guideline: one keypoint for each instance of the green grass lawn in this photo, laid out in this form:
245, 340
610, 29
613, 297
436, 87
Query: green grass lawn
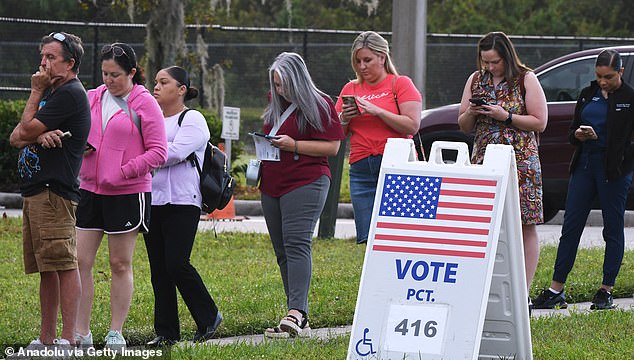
242, 276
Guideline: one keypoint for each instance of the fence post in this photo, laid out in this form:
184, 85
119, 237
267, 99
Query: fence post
96, 68
328, 218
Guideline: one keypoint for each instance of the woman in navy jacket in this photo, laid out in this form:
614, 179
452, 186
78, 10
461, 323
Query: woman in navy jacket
601, 167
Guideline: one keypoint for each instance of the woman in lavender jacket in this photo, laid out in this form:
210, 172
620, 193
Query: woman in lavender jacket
176, 203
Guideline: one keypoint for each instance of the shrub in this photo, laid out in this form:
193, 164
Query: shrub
10, 113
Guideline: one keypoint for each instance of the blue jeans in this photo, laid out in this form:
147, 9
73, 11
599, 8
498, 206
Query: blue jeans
586, 183
364, 175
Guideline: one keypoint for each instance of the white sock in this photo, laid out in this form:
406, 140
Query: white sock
554, 291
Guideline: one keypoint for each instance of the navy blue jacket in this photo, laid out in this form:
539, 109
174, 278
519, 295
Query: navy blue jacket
619, 155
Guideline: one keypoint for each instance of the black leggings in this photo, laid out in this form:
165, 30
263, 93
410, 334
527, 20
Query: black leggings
169, 245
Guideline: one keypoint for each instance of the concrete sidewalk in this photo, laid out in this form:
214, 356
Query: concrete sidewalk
329, 333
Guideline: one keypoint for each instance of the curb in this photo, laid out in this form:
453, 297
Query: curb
344, 210
243, 207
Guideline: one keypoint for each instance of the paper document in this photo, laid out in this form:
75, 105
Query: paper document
264, 150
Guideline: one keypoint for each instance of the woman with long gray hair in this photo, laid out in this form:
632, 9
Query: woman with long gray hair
302, 122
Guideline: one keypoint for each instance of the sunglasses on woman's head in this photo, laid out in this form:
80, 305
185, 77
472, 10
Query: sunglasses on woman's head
116, 50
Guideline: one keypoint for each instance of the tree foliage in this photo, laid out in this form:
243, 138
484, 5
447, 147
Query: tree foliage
519, 17
532, 17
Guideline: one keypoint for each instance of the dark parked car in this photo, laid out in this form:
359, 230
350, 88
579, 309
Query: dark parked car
562, 79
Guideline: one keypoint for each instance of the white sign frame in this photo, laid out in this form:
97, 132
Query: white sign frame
388, 278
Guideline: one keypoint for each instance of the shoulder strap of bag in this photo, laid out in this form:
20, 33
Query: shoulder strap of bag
420, 141
130, 112
191, 157
289, 110
398, 108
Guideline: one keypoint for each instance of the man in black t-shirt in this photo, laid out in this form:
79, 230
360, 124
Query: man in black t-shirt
52, 137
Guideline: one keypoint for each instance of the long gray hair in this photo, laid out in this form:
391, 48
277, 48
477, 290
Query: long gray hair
299, 89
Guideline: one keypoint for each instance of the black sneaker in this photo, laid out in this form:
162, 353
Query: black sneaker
550, 300
602, 300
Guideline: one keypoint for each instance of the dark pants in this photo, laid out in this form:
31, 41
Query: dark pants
169, 245
586, 183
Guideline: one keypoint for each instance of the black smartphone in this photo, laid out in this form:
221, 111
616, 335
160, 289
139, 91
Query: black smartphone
350, 100
268, 137
89, 147
478, 101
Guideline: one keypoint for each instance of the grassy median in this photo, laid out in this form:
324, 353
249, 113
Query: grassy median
242, 276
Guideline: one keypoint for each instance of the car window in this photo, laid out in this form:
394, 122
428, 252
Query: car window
564, 82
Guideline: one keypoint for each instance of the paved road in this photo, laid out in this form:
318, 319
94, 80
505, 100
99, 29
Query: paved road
548, 234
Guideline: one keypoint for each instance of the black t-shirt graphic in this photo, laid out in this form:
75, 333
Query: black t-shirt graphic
66, 109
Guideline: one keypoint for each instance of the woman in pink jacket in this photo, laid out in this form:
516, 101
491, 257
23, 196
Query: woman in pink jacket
126, 142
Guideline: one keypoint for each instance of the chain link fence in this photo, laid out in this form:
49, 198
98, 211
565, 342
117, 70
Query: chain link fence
246, 53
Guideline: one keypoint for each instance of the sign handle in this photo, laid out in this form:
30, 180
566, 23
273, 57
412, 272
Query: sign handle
462, 159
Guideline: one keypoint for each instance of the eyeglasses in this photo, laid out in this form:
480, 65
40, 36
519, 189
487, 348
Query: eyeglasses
62, 38
116, 50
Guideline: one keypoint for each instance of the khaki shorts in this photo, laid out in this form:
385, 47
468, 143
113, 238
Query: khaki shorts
48, 233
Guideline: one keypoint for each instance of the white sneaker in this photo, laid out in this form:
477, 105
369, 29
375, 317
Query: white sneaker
35, 345
65, 346
83, 341
115, 341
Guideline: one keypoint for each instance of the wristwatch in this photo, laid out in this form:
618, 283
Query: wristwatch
509, 119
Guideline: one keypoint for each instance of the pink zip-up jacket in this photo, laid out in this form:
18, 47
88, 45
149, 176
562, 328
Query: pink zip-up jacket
124, 158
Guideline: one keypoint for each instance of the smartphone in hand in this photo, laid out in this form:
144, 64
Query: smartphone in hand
350, 101
588, 130
478, 101
267, 137
66, 135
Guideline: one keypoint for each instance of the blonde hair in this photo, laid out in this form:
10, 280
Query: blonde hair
375, 43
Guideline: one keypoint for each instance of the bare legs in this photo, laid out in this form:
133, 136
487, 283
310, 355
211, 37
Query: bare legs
121, 249
50, 284
531, 251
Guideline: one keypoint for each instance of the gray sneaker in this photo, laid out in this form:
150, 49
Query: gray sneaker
115, 341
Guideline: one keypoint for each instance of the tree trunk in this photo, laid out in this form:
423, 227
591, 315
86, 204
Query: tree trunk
165, 37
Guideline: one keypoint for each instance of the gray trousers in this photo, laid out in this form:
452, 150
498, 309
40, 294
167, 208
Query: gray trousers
291, 221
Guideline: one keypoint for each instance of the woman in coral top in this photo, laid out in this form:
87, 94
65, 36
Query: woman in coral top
387, 106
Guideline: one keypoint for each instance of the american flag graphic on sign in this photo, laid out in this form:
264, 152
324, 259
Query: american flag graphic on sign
447, 216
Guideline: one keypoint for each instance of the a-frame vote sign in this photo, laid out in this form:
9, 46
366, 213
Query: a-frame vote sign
443, 276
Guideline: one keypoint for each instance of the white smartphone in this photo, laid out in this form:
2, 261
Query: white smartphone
589, 130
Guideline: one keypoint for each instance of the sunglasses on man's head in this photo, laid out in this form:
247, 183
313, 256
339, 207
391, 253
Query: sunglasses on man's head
116, 50
62, 38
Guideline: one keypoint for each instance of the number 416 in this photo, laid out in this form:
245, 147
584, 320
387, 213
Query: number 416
429, 330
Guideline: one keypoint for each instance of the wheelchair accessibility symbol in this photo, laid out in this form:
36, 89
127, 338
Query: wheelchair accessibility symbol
365, 344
